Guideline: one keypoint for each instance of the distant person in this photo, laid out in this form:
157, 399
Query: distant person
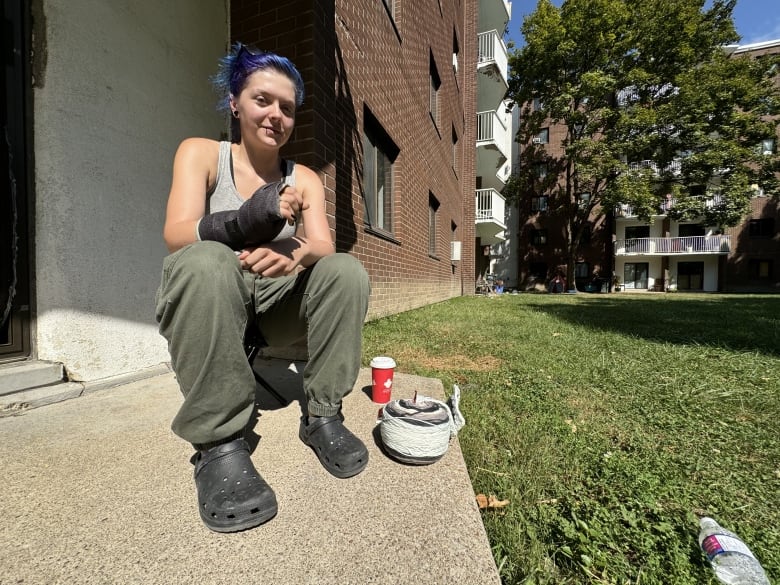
558, 284
251, 248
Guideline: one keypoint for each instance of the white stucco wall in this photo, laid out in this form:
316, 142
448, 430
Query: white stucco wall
124, 82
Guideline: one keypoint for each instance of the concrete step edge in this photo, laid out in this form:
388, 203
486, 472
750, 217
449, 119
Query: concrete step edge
26, 375
21, 401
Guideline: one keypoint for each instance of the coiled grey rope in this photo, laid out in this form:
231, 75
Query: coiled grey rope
418, 431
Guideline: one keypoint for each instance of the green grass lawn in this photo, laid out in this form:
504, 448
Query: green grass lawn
610, 422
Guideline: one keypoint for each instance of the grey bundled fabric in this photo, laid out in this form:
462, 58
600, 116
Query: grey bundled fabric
421, 412
256, 222
416, 432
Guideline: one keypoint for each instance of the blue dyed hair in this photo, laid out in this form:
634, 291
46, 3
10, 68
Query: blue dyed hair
241, 62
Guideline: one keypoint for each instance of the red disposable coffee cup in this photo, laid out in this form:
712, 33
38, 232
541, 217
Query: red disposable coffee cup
382, 379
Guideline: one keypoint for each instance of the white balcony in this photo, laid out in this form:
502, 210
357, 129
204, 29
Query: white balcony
674, 167
490, 224
493, 131
493, 148
492, 54
688, 245
493, 14
627, 211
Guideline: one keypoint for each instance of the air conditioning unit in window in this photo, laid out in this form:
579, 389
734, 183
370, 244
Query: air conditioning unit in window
455, 251
537, 140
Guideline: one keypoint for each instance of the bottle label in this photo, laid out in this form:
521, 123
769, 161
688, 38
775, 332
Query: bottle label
716, 544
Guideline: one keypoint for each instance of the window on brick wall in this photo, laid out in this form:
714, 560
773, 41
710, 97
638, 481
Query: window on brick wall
390, 7
379, 154
539, 203
454, 150
543, 137
454, 243
761, 228
455, 52
539, 238
435, 85
760, 269
433, 207
587, 235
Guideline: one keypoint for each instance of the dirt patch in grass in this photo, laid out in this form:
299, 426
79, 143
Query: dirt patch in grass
449, 363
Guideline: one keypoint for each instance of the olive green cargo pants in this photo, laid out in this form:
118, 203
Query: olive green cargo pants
205, 304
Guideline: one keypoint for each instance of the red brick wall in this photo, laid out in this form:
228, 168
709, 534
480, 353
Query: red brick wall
597, 253
745, 248
351, 53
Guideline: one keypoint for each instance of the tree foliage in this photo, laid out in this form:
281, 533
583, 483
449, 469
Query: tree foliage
644, 102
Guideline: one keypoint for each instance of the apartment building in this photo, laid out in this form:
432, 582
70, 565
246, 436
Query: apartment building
753, 264
693, 256
662, 255
542, 240
103, 92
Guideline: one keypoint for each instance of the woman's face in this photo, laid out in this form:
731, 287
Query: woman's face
266, 108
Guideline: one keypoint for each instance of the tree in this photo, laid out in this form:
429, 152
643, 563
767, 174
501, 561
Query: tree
647, 104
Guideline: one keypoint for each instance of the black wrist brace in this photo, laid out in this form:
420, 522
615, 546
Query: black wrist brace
256, 222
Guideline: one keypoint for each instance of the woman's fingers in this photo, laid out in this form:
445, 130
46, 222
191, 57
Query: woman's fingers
265, 262
291, 204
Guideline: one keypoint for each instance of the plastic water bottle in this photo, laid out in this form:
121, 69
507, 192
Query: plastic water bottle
730, 558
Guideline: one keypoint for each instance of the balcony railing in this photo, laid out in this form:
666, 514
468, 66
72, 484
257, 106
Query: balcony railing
673, 167
625, 210
491, 128
719, 244
490, 206
493, 50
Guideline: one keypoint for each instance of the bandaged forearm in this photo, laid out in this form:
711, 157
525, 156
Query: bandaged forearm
256, 222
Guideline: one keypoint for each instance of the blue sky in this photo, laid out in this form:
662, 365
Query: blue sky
756, 20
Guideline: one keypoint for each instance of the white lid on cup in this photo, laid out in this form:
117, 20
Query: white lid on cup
383, 362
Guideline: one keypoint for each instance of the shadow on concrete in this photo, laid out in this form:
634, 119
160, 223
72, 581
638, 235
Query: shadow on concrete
285, 379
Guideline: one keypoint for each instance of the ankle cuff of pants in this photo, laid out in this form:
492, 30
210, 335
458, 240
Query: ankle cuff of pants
207, 446
316, 409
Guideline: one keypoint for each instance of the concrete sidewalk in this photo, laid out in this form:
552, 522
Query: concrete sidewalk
99, 490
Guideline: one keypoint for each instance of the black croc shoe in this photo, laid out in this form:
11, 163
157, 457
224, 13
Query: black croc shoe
232, 495
339, 451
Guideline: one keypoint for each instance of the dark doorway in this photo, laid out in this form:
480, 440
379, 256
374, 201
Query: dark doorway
14, 196
691, 229
690, 276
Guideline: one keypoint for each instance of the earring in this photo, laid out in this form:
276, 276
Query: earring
235, 114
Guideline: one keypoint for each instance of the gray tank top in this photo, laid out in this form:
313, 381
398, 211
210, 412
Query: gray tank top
224, 196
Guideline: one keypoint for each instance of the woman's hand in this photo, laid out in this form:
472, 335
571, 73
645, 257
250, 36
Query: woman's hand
275, 258
291, 204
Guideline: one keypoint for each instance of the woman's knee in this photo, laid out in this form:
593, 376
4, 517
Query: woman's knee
344, 269
202, 266
207, 257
